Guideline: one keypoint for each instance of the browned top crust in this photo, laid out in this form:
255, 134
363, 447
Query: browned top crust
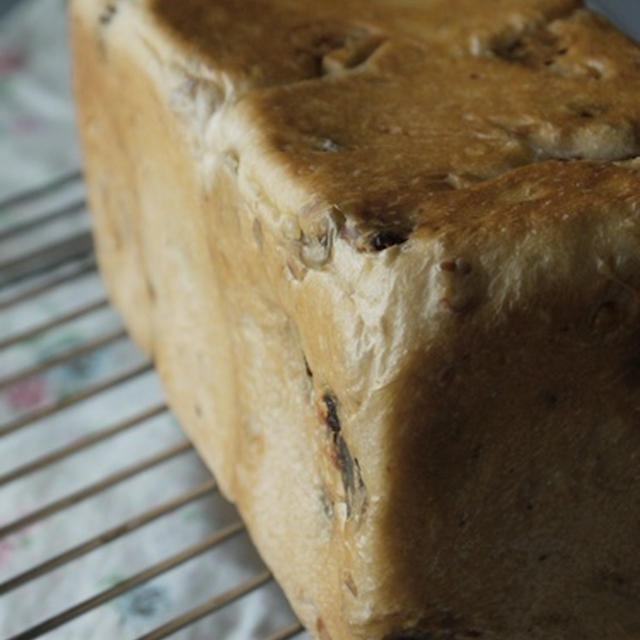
415, 434
378, 107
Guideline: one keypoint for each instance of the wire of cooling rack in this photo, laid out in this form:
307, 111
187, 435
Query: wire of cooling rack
38, 271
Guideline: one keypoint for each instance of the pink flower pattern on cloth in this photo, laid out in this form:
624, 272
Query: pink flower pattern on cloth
11, 61
27, 394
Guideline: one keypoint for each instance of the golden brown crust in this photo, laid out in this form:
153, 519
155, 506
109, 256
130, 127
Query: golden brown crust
431, 440
437, 109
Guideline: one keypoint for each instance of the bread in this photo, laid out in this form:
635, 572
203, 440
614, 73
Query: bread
386, 258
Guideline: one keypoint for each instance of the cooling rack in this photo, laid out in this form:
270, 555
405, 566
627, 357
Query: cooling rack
75, 459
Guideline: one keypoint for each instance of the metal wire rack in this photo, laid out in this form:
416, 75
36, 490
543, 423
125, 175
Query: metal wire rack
46, 249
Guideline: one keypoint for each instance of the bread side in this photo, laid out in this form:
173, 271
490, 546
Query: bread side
226, 352
396, 314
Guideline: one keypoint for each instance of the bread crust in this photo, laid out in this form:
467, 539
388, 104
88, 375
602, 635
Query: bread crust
386, 258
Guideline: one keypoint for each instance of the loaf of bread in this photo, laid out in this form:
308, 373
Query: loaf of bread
385, 255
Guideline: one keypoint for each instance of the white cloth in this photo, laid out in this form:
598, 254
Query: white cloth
37, 136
